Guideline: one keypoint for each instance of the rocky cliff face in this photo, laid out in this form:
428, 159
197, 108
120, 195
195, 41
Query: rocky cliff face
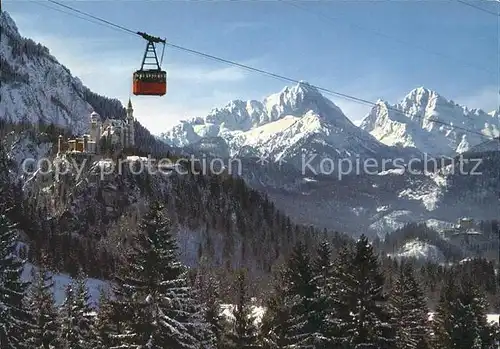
35, 86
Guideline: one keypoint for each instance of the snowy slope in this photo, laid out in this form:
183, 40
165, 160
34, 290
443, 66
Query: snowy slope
35, 86
410, 123
420, 250
61, 281
283, 126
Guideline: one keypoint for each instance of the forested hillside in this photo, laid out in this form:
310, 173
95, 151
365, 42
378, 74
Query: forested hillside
340, 298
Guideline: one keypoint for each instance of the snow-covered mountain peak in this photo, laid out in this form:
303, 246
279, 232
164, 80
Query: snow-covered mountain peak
420, 119
285, 124
235, 115
298, 100
422, 102
495, 113
242, 116
301, 90
421, 93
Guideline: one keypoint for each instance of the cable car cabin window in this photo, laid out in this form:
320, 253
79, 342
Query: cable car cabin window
152, 76
152, 83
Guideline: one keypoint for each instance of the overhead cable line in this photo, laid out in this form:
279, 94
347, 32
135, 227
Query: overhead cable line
382, 34
261, 71
93, 17
478, 7
70, 14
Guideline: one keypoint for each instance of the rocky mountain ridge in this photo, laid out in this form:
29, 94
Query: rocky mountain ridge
299, 119
426, 120
287, 126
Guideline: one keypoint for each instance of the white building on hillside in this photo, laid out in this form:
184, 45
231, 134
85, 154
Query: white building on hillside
119, 133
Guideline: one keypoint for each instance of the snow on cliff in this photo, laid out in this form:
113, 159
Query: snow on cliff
410, 123
35, 86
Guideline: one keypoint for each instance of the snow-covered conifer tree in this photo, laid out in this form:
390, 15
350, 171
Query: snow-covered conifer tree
41, 305
15, 320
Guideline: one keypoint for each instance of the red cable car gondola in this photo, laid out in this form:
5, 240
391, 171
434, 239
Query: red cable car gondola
150, 82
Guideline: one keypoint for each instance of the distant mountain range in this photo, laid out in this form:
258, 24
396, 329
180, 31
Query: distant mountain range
285, 127
300, 122
431, 123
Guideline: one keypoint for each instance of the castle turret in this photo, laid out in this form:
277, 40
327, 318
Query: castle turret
59, 144
86, 143
94, 117
130, 125
95, 128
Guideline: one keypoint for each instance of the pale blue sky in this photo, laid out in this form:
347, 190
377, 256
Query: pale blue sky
370, 49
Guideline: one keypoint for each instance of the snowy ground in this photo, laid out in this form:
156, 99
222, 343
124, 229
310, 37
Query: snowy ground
61, 281
492, 318
257, 312
419, 250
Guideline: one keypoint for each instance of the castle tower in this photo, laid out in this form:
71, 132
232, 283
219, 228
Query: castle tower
130, 125
95, 129
59, 144
85, 143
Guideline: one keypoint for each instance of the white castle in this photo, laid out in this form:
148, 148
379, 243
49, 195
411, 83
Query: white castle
118, 133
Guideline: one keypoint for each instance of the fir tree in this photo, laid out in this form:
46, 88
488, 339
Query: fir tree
473, 305
243, 333
41, 305
104, 321
209, 289
410, 312
277, 319
360, 303
290, 322
15, 320
77, 331
84, 312
122, 319
337, 295
69, 332
154, 294
443, 322
460, 319
322, 303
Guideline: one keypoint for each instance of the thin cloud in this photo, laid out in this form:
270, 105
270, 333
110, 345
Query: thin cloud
161, 114
206, 74
244, 25
354, 111
370, 88
487, 99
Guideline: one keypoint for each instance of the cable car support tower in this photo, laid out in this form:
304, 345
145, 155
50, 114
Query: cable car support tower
150, 79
